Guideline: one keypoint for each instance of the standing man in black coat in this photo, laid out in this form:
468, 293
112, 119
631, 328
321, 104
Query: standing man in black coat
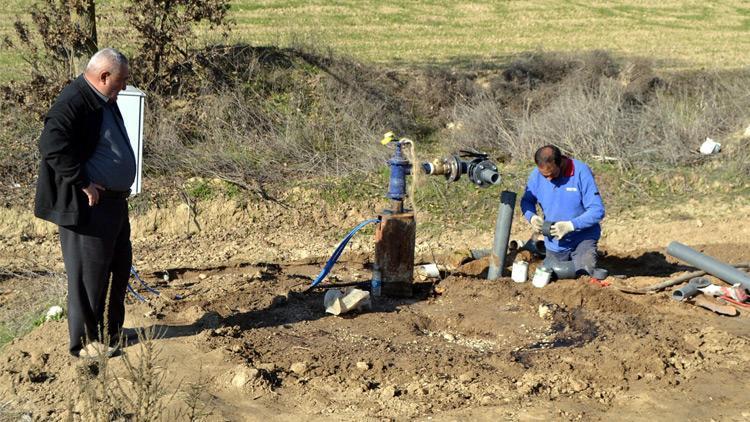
85, 174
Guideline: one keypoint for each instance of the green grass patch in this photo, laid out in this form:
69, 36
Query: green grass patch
679, 33
22, 324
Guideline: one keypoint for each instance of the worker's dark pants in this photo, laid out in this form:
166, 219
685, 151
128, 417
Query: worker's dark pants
584, 256
95, 253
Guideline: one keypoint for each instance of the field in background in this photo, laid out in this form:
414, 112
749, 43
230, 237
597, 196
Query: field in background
678, 34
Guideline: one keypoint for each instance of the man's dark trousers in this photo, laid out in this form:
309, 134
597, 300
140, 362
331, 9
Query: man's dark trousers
95, 253
584, 256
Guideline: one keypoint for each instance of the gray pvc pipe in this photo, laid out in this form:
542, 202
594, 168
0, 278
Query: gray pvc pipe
489, 176
480, 253
716, 268
565, 269
502, 234
546, 227
536, 247
691, 289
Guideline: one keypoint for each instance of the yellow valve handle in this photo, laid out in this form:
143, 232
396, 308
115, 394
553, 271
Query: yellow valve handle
388, 138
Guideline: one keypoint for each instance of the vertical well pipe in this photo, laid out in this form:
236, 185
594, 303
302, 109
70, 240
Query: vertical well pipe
502, 234
395, 238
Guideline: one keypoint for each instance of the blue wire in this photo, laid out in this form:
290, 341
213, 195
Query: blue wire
134, 273
339, 250
326, 269
143, 283
136, 294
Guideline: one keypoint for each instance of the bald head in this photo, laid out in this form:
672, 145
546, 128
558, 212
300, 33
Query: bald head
108, 72
549, 160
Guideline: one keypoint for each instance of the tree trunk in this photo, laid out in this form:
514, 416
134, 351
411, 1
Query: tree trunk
87, 20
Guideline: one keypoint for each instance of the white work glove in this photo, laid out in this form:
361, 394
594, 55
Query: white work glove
536, 223
561, 228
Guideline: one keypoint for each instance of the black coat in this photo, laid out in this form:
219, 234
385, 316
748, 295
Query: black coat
71, 132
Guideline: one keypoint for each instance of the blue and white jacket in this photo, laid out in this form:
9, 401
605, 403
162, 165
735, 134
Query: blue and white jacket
571, 196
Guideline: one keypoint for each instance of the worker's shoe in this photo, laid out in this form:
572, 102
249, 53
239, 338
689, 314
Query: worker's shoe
95, 350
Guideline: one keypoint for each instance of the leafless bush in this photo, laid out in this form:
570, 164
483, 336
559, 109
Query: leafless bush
166, 38
139, 393
623, 112
197, 406
303, 116
52, 45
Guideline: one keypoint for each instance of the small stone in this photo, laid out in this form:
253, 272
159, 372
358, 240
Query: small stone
54, 312
239, 380
578, 386
243, 375
39, 359
449, 337
202, 276
363, 366
466, 377
268, 367
544, 311
299, 368
388, 392
699, 223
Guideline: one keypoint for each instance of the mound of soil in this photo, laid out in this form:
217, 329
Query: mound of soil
569, 351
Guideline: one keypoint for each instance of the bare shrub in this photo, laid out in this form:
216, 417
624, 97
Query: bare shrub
53, 44
605, 110
139, 393
197, 406
166, 38
296, 115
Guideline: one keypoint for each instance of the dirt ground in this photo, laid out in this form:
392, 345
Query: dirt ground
233, 314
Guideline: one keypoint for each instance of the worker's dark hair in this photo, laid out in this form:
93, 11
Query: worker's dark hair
548, 154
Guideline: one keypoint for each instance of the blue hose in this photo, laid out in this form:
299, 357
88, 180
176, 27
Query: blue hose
134, 273
339, 250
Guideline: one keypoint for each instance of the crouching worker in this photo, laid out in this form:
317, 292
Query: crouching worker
569, 198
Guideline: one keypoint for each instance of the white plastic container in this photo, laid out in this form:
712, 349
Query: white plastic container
519, 271
541, 277
710, 147
429, 271
131, 103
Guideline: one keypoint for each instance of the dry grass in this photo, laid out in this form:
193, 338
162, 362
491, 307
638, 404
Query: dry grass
138, 389
592, 105
26, 292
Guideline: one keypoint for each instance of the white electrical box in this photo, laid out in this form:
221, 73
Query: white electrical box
131, 103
